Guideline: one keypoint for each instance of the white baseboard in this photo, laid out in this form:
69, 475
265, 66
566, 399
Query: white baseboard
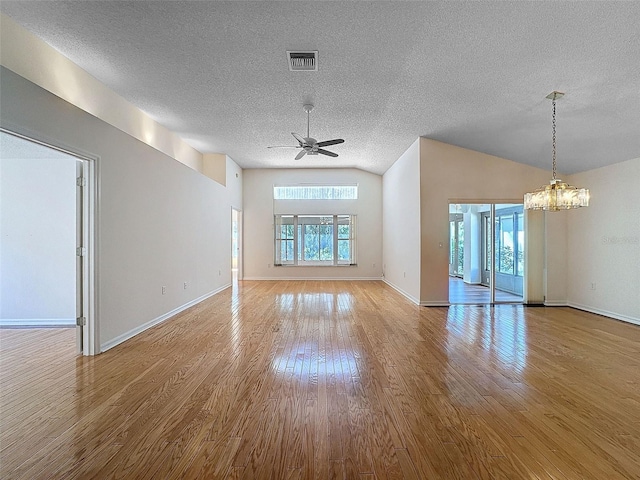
409, 297
131, 333
555, 304
606, 313
312, 278
37, 322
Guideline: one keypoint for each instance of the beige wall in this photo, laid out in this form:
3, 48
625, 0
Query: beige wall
604, 243
453, 174
401, 223
555, 257
214, 166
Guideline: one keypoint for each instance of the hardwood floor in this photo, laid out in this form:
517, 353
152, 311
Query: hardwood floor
462, 293
329, 380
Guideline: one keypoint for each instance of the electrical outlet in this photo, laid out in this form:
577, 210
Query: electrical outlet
185, 285
164, 289
374, 265
219, 272
593, 285
404, 274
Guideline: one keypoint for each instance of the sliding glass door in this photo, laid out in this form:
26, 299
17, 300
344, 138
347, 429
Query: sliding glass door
486, 257
509, 249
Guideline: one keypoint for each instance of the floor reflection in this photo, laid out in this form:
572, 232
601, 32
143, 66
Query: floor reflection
307, 363
496, 334
327, 302
330, 353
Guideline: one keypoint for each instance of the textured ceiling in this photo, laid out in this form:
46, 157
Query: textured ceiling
471, 74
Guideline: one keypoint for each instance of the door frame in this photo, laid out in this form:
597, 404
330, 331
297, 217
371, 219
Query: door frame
86, 217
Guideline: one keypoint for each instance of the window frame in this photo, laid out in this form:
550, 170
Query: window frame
300, 222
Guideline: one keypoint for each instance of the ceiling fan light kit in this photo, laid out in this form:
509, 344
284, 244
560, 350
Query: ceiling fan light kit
309, 145
557, 195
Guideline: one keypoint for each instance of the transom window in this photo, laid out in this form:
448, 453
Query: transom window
315, 192
315, 240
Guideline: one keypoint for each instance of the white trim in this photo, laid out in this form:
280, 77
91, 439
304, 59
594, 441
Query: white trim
437, 304
312, 278
606, 313
132, 333
91, 331
402, 292
554, 304
37, 322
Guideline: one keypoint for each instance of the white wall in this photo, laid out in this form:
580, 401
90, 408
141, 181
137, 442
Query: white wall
604, 242
33, 59
401, 223
37, 244
160, 223
258, 239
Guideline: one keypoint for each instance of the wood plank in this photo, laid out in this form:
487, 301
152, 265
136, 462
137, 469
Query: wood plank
328, 379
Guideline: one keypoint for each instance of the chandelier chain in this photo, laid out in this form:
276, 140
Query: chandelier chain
554, 138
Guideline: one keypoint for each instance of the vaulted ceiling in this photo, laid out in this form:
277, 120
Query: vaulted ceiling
473, 74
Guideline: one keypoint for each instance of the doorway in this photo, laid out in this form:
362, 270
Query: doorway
47, 241
236, 245
486, 258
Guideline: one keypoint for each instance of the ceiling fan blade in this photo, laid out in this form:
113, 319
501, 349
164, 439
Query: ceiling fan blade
285, 146
327, 152
301, 154
299, 138
326, 143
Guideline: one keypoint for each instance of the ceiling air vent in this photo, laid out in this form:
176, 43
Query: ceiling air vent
303, 61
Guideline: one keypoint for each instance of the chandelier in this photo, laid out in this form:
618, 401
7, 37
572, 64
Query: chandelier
557, 195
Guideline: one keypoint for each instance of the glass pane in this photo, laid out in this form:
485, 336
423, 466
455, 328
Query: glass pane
505, 263
316, 192
460, 248
344, 252
326, 242
487, 243
311, 242
520, 262
287, 254
452, 242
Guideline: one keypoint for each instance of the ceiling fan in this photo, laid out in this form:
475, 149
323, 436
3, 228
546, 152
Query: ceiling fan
310, 146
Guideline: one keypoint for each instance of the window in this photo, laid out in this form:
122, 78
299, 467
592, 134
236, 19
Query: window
315, 240
316, 192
